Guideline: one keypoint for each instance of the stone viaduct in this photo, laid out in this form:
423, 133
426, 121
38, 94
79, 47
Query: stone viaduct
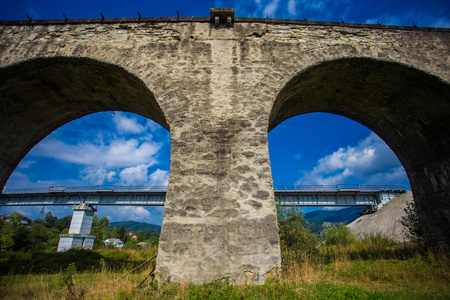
219, 88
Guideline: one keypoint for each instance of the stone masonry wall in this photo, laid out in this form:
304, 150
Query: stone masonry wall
216, 88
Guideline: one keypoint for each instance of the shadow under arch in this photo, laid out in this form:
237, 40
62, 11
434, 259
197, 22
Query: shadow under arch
408, 108
39, 96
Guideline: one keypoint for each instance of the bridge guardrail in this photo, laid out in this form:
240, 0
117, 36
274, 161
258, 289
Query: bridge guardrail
163, 188
80, 189
339, 187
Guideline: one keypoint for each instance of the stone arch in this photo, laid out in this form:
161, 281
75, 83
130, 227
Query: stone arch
408, 108
40, 95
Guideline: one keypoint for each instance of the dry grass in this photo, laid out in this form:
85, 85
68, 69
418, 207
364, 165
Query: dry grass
353, 271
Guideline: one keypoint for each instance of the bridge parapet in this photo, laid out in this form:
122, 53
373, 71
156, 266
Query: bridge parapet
285, 195
163, 188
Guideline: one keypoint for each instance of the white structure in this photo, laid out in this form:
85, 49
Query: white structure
79, 231
115, 242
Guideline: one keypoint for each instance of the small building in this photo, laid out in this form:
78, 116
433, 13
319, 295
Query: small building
117, 243
132, 235
142, 244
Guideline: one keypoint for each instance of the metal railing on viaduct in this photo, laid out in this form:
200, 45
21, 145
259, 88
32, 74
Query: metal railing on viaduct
287, 195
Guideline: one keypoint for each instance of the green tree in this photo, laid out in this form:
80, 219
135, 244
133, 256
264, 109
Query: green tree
104, 222
99, 238
38, 234
6, 236
294, 232
15, 218
143, 235
411, 223
123, 233
63, 223
100, 228
131, 244
21, 238
339, 235
115, 233
95, 220
104, 225
50, 220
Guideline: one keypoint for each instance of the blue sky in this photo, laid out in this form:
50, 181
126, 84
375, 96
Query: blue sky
126, 149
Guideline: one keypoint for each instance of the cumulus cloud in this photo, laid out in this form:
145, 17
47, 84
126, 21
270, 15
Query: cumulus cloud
119, 153
136, 213
96, 175
103, 148
159, 177
18, 180
326, 10
137, 175
25, 164
369, 162
271, 7
291, 7
152, 215
127, 124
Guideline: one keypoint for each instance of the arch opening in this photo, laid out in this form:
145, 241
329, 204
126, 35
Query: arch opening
327, 149
322, 151
41, 95
408, 108
103, 149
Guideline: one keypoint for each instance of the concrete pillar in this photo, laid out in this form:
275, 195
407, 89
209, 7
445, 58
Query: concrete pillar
80, 229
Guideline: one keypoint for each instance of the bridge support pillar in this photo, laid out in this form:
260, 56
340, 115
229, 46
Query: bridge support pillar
80, 229
220, 219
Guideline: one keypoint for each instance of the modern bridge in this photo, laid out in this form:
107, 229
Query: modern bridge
285, 195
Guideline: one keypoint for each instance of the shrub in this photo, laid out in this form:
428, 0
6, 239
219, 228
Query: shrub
294, 232
379, 240
339, 235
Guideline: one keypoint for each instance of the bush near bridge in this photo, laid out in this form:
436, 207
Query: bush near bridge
375, 268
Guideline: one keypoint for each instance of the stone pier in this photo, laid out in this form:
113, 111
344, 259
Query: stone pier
79, 231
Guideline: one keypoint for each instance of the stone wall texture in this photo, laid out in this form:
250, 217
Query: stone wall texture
219, 91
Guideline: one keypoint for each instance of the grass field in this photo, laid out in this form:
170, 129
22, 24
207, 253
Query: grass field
358, 271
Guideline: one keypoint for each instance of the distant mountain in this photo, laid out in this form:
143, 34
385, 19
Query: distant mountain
318, 217
138, 226
340, 216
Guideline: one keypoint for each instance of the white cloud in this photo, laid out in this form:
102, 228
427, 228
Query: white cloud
94, 175
119, 153
291, 7
18, 180
98, 149
127, 124
153, 126
25, 164
271, 8
369, 162
122, 213
136, 175
333, 208
159, 177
